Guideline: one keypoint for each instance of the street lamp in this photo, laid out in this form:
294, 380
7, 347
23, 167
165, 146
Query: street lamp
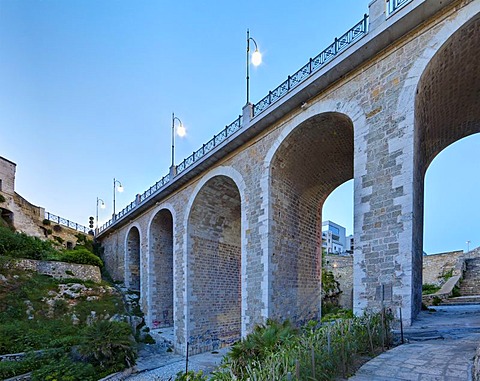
101, 206
181, 131
120, 189
256, 60
468, 246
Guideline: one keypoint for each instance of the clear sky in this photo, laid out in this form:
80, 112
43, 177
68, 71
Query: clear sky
87, 89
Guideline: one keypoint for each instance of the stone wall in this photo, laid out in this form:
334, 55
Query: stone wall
436, 266
342, 268
59, 270
7, 176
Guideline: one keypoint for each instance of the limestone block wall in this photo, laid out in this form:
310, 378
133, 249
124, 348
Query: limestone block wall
59, 270
342, 268
7, 176
27, 217
437, 265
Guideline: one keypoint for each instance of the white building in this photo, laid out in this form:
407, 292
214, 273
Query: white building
334, 238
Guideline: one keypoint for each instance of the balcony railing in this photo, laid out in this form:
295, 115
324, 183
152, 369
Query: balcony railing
394, 5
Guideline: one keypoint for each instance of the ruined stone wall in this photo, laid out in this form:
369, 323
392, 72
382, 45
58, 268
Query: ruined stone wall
59, 270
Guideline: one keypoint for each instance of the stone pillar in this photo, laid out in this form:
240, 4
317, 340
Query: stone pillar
247, 114
376, 14
387, 266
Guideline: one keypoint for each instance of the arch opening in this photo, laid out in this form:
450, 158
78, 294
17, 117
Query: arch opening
311, 162
161, 269
447, 109
132, 277
214, 274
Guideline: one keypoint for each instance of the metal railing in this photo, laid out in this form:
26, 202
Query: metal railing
393, 5
357, 31
154, 188
67, 223
211, 144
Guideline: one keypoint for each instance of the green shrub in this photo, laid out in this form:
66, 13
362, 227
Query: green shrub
58, 239
429, 288
264, 340
49, 231
191, 376
456, 292
436, 301
65, 369
148, 339
2, 198
81, 256
46, 222
447, 275
109, 346
322, 353
20, 245
57, 228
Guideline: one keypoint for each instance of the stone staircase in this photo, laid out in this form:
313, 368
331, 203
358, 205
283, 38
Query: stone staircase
470, 284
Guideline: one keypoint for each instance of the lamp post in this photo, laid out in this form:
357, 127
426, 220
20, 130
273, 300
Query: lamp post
101, 206
120, 189
468, 246
256, 60
181, 131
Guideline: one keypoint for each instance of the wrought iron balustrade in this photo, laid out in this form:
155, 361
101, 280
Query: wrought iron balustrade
357, 31
155, 187
211, 144
393, 5
67, 223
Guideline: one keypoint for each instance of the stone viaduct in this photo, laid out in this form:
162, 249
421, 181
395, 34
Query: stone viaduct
232, 235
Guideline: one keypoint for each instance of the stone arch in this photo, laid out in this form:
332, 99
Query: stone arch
160, 268
447, 109
309, 161
214, 246
133, 258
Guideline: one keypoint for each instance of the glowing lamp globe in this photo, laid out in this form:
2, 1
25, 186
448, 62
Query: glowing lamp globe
256, 58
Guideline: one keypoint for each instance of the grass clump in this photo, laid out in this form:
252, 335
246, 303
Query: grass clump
429, 288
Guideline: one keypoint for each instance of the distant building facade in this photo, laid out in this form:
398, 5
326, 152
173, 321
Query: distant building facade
334, 239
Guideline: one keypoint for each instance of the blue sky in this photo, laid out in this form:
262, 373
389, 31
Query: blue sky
87, 89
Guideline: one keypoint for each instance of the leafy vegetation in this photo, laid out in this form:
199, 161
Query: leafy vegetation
447, 275
314, 353
76, 339
191, 376
82, 256
20, 245
2, 198
429, 288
